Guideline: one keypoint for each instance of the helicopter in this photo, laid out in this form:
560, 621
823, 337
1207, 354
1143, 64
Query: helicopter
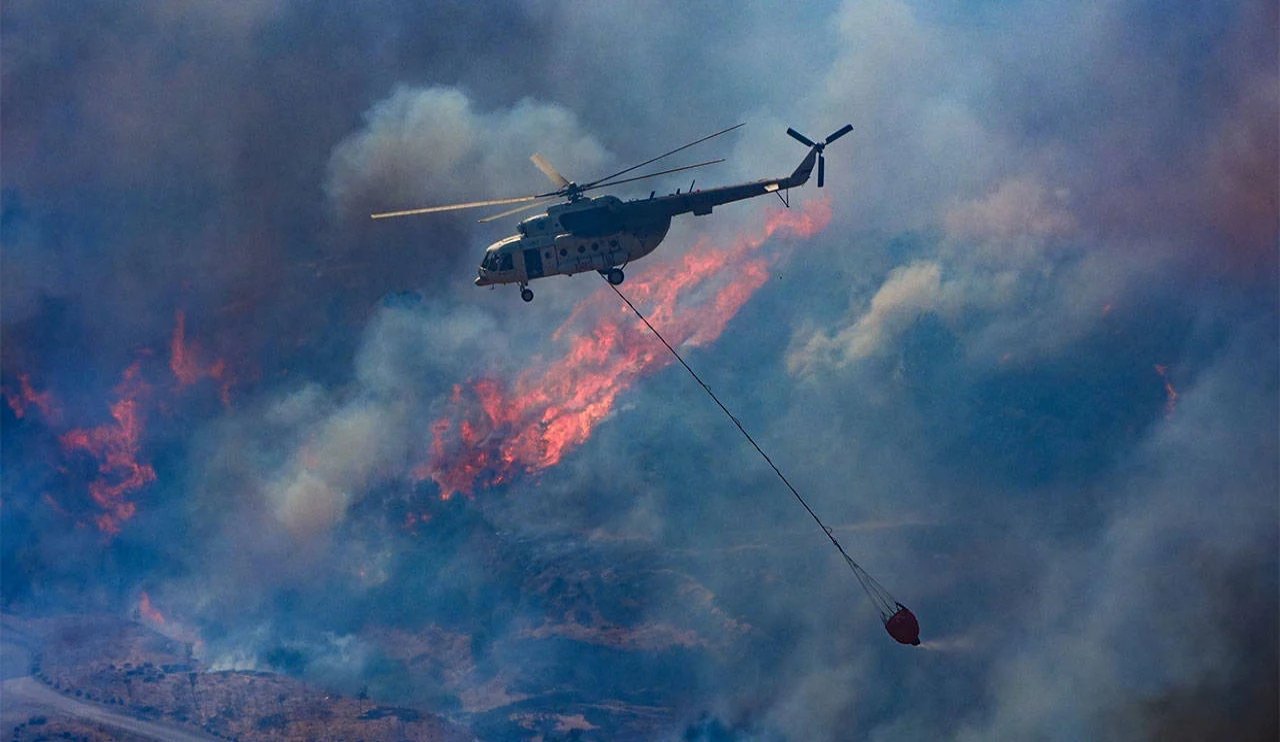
605, 233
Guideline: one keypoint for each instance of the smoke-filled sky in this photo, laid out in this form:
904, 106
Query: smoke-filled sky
1021, 354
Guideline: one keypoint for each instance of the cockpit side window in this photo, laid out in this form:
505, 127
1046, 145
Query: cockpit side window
506, 263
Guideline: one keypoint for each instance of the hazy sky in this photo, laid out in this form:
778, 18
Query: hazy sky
1021, 352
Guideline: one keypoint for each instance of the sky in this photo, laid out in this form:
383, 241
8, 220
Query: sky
1020, 353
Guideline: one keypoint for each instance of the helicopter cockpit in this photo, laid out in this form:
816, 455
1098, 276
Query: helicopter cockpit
497, 262
498, 265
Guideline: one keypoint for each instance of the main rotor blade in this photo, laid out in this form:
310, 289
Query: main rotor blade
552, 174
839, 133
601, 181
654, 175
455, 207
806, 141
822, 170
516, 210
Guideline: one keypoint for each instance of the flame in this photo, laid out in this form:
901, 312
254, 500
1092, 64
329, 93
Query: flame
116, 449
170, 626
496, 428
27, 397
412, 519
148, 611
185, 363
1170, 394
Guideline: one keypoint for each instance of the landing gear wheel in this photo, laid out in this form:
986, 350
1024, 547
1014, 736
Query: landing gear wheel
615, 276
526, 294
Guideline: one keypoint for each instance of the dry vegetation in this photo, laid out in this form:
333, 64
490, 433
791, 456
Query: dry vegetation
133, 670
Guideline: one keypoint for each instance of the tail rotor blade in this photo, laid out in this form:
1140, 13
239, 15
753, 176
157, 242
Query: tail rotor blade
822, 170
839, 133
806, 141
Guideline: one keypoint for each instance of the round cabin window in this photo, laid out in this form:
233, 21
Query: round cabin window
582, 249
563, 252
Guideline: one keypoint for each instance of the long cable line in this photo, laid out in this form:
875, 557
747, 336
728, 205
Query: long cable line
885, 602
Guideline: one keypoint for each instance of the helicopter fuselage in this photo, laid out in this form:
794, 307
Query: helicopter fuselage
601, 233
589, 234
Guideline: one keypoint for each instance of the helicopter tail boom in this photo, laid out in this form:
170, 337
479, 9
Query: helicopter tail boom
801, 174
702, 202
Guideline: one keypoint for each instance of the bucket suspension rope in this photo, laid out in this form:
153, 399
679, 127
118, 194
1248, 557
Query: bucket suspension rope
883, 601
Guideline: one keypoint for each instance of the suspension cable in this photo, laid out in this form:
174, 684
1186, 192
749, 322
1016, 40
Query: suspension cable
885, 602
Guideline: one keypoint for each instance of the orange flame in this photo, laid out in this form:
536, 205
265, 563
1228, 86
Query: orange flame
184, 361
116, 448
26, 397
1170, 394
496, 429
148, 611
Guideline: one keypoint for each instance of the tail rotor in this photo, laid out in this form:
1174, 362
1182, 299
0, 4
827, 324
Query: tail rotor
820, 146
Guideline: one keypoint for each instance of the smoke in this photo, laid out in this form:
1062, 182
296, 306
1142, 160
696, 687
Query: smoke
906, 293
1154, 577
1018, 208
1026, 334
430, 147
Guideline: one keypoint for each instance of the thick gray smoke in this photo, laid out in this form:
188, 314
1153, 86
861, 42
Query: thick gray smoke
1027, 372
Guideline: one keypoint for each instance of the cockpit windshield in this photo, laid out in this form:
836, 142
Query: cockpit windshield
496, 261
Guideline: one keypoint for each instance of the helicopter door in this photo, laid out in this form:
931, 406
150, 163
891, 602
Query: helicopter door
533, 263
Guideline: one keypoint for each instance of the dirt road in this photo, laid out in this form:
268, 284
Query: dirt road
26, 696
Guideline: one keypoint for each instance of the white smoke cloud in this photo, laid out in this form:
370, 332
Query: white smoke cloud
986, 280
1019, 208
907, 292
425, 146
349, 451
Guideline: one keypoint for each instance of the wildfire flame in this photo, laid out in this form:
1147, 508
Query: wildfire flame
148, 611
27, 397
116, 448
185, 362
170, 626
496, 428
